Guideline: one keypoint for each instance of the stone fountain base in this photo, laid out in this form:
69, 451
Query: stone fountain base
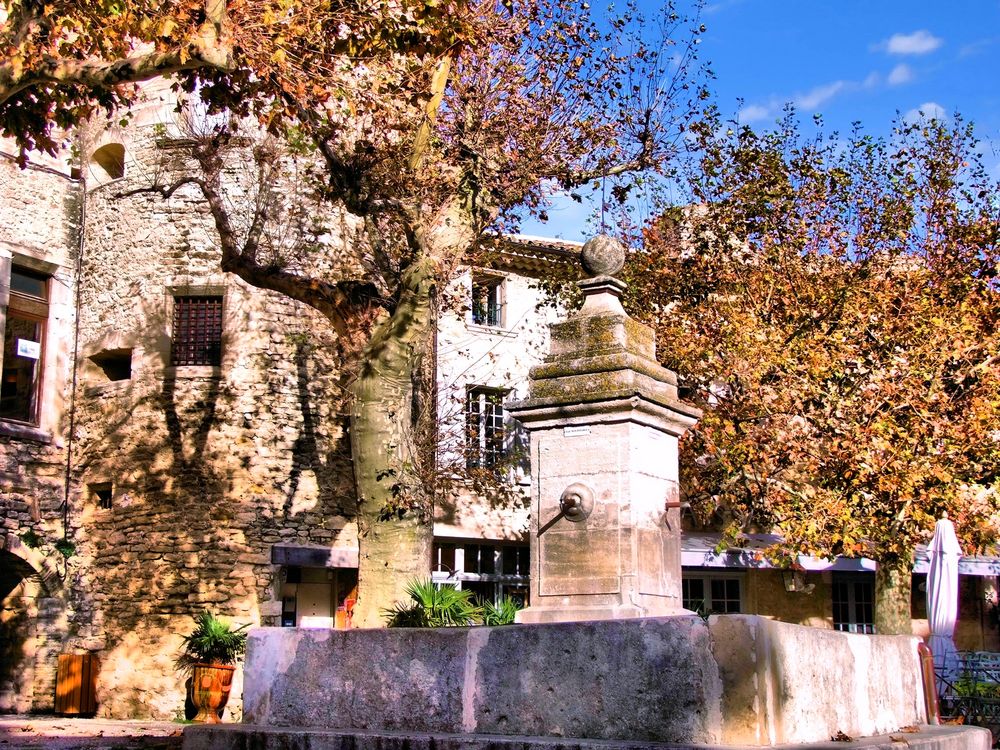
734, 680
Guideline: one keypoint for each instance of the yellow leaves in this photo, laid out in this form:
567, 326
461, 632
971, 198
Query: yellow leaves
16, 62
167, 27
279, 57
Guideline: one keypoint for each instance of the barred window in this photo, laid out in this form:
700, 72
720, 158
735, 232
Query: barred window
490, 569
197, 338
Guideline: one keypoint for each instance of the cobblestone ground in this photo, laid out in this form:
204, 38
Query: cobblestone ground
93, 734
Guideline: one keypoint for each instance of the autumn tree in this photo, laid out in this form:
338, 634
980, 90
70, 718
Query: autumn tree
430, 123
834, 305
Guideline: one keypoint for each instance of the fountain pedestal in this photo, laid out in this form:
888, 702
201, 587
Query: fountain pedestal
604, 419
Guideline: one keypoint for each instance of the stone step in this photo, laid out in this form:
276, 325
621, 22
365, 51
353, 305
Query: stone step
249, 737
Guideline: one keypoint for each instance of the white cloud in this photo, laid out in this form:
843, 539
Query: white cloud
918, 43
811, 101
901, 74
819, 95
926, 111
713, 8
978, 47
755, 113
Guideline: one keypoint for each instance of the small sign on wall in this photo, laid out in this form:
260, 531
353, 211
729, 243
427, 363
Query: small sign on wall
576, 430
29, 349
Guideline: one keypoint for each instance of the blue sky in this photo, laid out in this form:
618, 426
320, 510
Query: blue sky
848, 61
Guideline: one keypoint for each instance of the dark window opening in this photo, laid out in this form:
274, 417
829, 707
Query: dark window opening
29, 283
116, 364
108, 162
480, 558
197, 335
103, 492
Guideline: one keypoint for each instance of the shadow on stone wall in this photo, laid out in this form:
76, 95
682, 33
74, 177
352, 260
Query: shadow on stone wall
305, 449
17, 631
210, 469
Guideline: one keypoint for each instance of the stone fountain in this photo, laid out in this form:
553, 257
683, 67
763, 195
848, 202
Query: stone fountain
605, 651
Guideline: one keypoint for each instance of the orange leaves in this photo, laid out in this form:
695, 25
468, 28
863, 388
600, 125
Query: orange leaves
844, 349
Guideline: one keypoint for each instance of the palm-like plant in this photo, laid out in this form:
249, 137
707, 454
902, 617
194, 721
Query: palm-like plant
501, 613
213, 641
431, 606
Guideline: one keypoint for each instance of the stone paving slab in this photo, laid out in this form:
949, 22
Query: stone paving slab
249, 737
28, 732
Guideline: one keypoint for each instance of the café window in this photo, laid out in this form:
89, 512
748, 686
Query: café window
712, 593
492, 570
24, 345
854, 603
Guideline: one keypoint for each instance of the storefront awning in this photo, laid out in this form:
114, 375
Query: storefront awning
698, 551
305, 556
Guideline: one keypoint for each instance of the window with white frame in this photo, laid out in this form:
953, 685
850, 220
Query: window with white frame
484, 428
490, 569
854, 602
24, 345
712, 593
488, 300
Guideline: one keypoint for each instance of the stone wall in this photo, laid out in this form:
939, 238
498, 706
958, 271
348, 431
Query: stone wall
180, 479
208, 467
734, 680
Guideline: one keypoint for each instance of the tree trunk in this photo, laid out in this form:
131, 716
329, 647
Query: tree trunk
395, 522
892, 599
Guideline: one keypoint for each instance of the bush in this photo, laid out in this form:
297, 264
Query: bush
433, 607
502, 613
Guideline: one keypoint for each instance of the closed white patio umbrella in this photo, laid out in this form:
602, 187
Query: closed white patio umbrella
942, 596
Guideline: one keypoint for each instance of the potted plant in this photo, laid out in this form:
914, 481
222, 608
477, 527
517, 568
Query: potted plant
209, 654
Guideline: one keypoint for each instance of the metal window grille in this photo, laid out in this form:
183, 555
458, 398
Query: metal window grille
487, 302
197, 336
490, 570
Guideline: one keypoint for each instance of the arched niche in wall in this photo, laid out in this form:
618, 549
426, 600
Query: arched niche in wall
107, 163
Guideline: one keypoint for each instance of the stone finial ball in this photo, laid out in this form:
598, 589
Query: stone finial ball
602, 256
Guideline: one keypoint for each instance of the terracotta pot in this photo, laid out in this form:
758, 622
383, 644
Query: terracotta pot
210, 686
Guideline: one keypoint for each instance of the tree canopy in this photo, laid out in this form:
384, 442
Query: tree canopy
833, 304
60, 60
428, 124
